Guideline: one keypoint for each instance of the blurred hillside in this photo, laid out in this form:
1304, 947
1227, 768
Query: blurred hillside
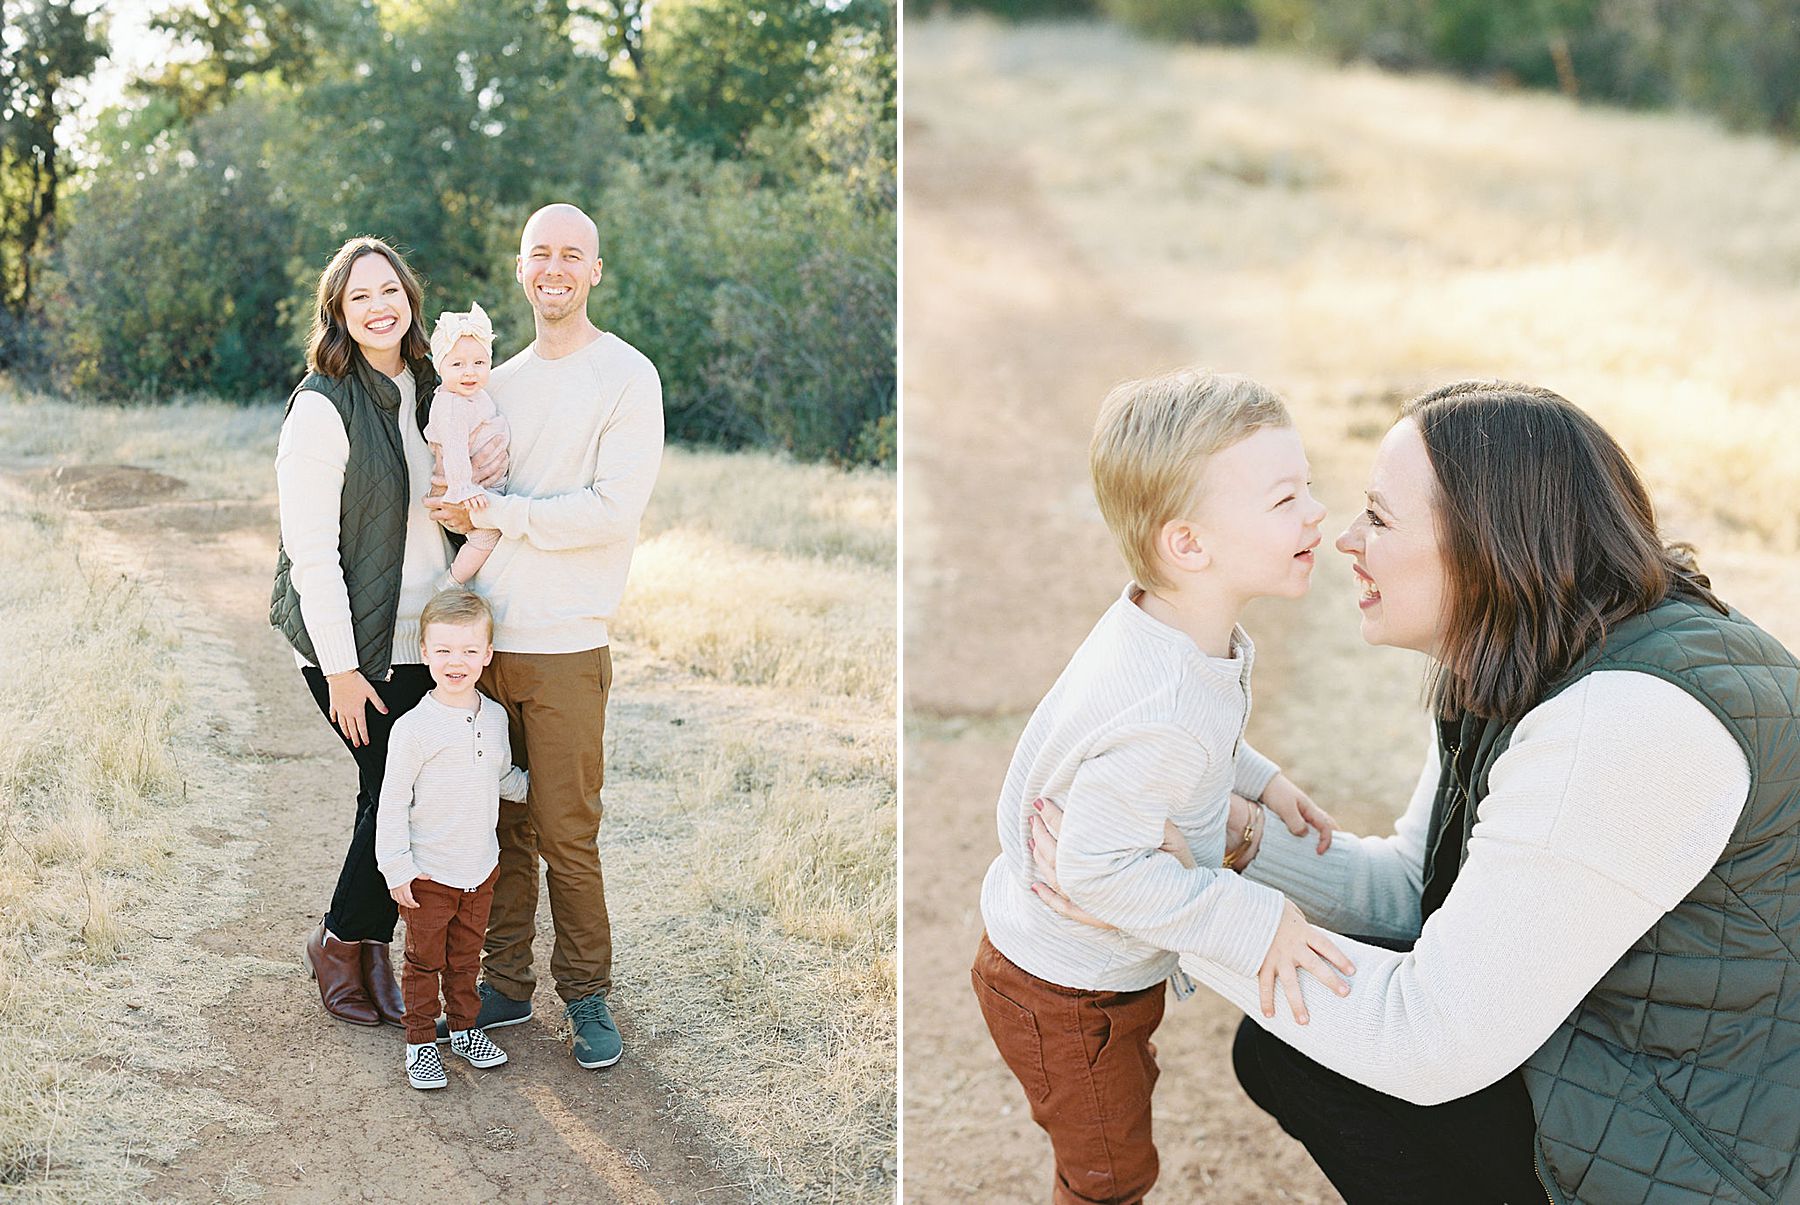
1740, 61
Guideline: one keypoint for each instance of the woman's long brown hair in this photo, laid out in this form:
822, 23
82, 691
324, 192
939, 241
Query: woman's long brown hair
329, 346
1549, 541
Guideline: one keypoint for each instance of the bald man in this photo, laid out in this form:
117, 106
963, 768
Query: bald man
585, 409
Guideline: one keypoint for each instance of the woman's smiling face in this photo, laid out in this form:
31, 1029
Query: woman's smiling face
1394, 543
375, 308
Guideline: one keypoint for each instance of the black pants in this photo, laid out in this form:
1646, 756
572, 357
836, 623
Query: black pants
361, 908
1378, 1148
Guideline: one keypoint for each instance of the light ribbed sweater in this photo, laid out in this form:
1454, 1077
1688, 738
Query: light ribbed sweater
447, 771
587, 436
309, 480
1613, 801
1141, 727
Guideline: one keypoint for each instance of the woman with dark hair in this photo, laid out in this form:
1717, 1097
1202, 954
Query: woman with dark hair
359, 558
1593, 898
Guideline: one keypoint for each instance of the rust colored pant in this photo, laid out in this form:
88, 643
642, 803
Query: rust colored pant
556, 714
1084, 1060
443, 945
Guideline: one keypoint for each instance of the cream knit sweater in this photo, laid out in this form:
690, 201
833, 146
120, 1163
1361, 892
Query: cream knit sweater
587, 434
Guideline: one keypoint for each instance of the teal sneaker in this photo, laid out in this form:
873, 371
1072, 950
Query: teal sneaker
592, 1032
498, 1010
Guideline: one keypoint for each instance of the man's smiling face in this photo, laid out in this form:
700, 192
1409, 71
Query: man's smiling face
559, 262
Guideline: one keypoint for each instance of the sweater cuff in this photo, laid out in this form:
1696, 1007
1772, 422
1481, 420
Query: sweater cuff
1283, 858
399, 869
335, 649
1252, 772
505, 513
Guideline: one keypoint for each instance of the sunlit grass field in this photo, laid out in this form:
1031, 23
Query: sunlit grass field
764, 961
1343, 229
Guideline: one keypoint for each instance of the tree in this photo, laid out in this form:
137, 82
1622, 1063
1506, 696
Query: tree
47, 46
241, 40
715, 70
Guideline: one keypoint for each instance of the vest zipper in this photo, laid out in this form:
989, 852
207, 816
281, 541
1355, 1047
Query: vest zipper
1537, 1168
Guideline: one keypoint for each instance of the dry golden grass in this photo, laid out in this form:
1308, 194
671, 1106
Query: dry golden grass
85, 772
225, 452
1347, 228
770, 954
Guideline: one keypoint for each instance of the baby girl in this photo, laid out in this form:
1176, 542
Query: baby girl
461, 350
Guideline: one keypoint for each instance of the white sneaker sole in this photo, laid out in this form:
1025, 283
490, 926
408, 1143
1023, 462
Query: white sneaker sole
596, 1066
427, 1085
484, 1065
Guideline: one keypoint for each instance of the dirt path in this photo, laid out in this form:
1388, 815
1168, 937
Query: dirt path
327, 1113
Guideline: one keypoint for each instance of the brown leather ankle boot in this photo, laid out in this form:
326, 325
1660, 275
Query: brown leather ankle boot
337, 965
378, 978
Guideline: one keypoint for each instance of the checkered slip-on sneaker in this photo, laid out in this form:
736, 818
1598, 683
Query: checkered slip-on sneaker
475, 1046
423, 1067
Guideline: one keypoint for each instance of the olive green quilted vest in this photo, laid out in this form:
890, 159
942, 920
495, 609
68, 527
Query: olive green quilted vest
1678, 1078
371, 512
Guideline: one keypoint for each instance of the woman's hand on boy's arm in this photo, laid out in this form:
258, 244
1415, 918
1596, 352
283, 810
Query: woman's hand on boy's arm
1044, 827
1297, 810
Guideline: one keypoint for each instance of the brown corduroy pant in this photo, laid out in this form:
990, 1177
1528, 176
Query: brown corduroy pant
556, 714
443, 945
1085, 1061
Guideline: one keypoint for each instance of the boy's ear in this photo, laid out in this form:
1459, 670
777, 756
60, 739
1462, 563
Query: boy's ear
1180, 545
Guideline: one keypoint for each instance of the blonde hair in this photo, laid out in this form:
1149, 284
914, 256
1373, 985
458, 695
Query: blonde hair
456, 607
1150, 442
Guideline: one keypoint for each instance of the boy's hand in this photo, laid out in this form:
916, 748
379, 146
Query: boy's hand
478, 502
403, 893
1299, 946
1297, 811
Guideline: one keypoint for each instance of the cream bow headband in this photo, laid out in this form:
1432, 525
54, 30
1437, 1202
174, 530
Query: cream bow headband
452, 326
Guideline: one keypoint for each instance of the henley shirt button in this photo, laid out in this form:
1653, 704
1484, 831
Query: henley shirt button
477, 753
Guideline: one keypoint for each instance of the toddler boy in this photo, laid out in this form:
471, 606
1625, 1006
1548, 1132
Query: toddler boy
449, 764
1205, 486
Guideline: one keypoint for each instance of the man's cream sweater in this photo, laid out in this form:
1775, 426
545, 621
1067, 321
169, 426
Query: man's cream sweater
587, 434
